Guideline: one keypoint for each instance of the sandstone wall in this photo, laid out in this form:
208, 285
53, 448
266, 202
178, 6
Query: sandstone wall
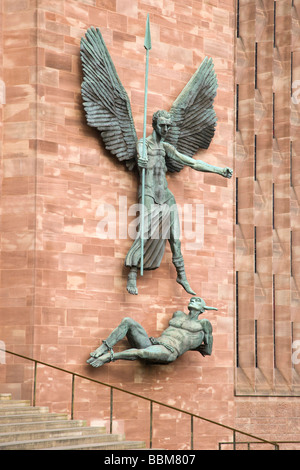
63, 288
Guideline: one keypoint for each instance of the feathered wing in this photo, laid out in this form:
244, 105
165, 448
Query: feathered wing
105, 100
193, 116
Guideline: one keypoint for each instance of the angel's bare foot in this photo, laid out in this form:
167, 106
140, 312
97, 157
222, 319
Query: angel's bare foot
184, 283
131, 287
131, 282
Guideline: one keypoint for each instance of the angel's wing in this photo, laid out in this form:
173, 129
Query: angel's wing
105, 100
193, 116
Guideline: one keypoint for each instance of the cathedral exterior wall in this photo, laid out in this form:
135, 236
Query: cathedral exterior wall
63, 281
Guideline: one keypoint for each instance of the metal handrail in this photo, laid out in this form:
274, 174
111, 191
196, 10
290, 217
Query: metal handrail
249, 443
150, 400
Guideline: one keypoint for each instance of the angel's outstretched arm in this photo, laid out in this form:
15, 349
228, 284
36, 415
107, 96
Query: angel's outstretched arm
198, 165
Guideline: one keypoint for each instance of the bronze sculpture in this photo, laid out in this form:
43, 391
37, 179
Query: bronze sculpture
184, 333
177, 136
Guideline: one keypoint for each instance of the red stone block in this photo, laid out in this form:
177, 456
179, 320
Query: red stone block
58, 61
20, 57
22, 19
106, 4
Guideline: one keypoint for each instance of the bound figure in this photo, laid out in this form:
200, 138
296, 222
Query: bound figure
184, 333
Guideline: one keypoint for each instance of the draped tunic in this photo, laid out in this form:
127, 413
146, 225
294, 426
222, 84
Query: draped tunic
159, 202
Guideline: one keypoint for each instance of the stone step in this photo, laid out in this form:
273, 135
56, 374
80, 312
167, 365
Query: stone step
117, 445
29, 417
50, 433
5, 396
18, 409
5, 403
63, 441
24, 427
40, 425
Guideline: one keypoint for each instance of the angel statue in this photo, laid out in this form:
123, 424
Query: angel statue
177, 136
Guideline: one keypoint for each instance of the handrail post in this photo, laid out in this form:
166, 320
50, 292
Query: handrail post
234, 441
111, 410
192, 432
151, 421
72, 402
34, 383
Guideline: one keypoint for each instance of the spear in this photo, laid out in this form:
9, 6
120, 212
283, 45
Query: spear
147, 45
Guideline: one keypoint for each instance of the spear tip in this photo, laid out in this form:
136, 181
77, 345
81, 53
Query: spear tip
147, 43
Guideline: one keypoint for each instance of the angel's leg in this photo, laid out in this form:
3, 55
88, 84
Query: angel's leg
181, 275
131, 281
135, 252
175, 245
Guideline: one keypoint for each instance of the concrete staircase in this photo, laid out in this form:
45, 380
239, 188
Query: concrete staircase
24, 427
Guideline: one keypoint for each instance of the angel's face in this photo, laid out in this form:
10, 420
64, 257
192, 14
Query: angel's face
162, 126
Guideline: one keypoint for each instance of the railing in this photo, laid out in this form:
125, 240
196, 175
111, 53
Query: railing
236, 444
150, 400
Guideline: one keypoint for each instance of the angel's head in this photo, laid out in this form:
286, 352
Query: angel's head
161, 122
